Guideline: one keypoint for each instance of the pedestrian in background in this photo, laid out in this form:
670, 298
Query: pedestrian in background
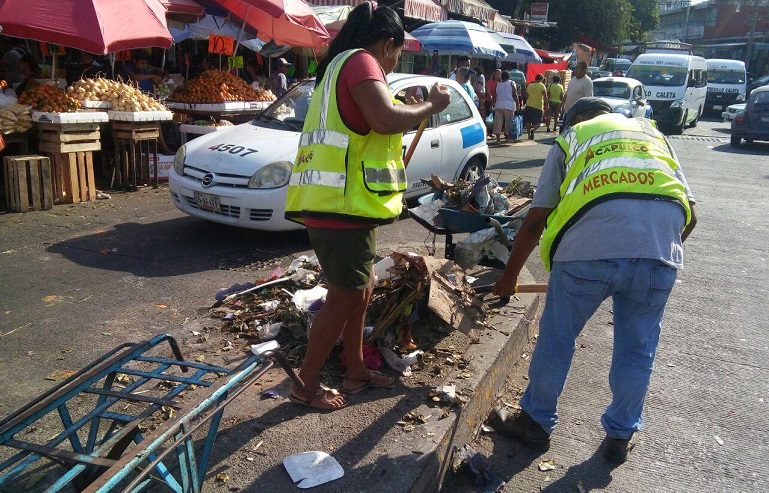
491, 94
479, 86
352, 118
464, 75
278, 82
536, 105
614, 219
462, 61
554, 98
504, 106
580, 86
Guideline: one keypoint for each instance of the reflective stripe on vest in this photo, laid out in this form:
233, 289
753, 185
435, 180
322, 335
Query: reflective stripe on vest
315, 177
323, 136
620, 162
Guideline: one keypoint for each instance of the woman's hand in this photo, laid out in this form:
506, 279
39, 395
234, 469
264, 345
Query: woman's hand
439, 97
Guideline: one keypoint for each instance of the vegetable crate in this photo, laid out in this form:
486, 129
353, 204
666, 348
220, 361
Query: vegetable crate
73, 177
28, 183
132, 139
126, 422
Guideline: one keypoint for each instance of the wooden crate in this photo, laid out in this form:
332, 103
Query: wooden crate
28, 183
135, 130
69, 137
73, 178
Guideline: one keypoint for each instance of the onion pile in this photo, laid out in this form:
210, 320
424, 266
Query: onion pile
15, 118
122, 96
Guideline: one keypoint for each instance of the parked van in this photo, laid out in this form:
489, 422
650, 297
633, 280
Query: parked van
676, 86
727, 84
613, 65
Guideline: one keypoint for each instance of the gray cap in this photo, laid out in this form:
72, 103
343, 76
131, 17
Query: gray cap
585, 105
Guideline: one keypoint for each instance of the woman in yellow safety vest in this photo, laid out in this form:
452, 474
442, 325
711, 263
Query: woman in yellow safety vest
347, 179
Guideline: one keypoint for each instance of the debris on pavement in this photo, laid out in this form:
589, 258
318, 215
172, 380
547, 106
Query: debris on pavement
546, 465
478, 464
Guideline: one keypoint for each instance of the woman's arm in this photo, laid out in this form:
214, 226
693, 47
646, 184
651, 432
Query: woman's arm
384, 117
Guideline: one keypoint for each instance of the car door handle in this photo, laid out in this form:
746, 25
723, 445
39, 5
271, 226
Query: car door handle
434, 144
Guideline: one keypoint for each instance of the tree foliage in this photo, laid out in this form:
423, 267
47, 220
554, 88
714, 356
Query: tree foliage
608, 21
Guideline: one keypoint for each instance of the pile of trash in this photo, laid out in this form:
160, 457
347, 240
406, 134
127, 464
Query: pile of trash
410, 289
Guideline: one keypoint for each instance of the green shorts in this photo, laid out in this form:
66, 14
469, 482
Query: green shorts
346, 255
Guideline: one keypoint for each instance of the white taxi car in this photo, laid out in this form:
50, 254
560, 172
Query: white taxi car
239, 176
625, 95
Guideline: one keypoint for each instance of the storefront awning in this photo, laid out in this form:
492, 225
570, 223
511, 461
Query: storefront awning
477, 9
500, 24
553, 55
428, 10
335, 3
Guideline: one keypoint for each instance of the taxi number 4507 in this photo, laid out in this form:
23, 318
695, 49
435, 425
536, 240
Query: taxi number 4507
233, 149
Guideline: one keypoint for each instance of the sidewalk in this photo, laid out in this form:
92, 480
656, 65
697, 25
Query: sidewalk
394, 440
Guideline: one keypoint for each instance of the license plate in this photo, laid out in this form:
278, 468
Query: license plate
717, 107
208, 202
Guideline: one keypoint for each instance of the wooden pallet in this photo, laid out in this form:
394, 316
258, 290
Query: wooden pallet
73, 177
69, 137
28, 183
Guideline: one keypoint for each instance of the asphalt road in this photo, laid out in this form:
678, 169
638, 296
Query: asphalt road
81, 279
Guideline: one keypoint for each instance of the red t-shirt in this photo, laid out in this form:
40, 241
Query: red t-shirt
360, 67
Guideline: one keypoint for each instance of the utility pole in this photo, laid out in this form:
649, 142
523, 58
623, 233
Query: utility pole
753, 20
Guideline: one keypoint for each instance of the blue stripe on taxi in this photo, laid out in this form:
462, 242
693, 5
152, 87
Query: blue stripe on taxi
472, 135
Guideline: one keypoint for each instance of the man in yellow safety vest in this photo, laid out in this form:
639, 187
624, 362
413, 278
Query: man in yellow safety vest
615, 209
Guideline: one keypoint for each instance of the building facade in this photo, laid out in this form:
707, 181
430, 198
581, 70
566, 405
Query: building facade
720, 29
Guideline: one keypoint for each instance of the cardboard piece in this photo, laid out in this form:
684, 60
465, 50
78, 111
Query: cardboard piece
452, 299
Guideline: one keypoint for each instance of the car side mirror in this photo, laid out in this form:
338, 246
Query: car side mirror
640, 101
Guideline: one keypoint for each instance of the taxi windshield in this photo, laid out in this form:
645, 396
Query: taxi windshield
611, 89
289, 110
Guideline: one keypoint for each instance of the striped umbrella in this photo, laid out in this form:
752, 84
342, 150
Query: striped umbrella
458, 37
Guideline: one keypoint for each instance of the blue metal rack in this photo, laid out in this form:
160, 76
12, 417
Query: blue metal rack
141, 413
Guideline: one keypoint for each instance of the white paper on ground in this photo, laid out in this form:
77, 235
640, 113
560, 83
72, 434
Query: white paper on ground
260, 349
305, 297
310, 469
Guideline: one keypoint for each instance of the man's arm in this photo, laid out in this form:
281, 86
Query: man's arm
689, 227
526, 240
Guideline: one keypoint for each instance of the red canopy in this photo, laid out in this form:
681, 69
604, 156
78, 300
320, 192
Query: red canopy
183, 7
287, 22
96, 26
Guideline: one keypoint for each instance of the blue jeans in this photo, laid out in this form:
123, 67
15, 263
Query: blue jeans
640, 289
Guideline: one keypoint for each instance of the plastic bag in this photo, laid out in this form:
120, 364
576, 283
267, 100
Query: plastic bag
8, 98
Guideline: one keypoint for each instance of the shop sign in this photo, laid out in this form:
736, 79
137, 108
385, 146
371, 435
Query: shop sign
221, 45
539, 12
235, 62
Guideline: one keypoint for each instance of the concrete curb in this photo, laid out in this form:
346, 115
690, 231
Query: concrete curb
491, 361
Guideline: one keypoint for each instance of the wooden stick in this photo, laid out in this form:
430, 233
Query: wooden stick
414, 142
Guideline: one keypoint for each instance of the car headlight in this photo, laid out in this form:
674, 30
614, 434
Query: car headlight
741, 97
624, 109
181, 154
273, 175
678, 103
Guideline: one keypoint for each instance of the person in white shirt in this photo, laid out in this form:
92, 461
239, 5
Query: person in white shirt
462, 61
580, 86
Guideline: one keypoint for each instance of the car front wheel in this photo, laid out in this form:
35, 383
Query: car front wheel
473, 170
735, 141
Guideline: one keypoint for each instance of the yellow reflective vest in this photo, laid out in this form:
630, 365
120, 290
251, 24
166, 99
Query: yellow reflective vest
339, 174
609, 157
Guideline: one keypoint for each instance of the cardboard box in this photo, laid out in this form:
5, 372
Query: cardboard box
166, 163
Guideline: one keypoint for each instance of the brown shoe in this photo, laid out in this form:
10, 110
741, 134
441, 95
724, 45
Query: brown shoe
520, 426
618, 449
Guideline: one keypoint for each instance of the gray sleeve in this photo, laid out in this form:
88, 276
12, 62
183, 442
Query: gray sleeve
548, 193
